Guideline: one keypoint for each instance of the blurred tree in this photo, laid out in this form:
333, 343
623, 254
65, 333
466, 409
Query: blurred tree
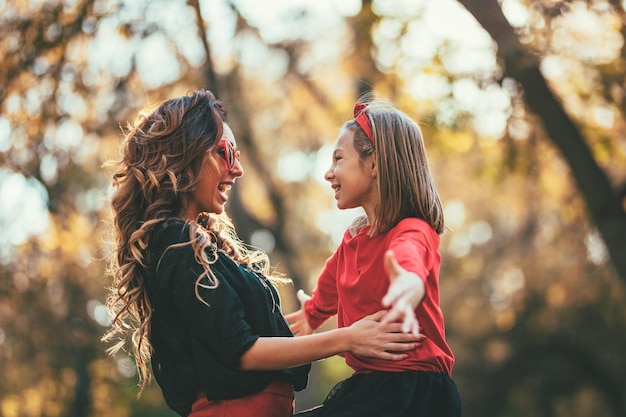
59, 111
605, 201
535, 312
542, 350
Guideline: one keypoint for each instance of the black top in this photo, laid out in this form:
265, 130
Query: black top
197, 348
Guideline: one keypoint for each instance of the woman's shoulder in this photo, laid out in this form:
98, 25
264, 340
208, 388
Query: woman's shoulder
171, 231
175, 235
170, 235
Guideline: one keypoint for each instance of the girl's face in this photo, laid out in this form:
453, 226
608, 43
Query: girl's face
353, 180
215, 179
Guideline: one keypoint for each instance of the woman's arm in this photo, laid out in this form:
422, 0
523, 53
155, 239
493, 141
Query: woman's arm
368, 337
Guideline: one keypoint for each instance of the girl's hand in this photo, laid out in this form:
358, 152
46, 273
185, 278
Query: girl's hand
297, 321
404, 294
373, 337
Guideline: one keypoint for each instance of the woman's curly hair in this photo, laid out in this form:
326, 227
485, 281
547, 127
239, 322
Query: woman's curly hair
162, 154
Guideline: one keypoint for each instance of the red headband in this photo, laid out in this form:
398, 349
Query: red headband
362, 119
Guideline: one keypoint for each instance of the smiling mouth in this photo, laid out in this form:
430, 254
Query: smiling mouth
224, 187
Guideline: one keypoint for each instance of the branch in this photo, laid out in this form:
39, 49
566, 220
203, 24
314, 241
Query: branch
603, 201
210, 72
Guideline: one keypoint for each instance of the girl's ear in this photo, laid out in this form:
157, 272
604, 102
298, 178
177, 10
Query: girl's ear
373, 166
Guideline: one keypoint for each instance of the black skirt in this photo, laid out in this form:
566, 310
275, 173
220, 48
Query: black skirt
391, 394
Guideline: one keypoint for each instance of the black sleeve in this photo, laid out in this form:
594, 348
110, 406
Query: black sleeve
198, 343
216, 321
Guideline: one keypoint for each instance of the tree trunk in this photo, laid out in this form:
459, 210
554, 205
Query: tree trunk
603, 201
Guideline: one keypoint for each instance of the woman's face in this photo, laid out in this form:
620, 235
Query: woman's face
215, 179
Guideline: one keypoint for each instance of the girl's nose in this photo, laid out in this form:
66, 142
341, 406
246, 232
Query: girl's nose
329, 174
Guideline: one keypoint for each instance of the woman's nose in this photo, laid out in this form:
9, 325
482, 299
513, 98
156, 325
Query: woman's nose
237, 168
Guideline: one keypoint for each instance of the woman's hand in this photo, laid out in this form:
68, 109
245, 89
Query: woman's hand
297, 321
368, 337
375, 338
404, 294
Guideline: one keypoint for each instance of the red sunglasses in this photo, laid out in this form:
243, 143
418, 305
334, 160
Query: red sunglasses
227, 151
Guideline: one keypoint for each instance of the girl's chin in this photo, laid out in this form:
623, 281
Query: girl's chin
341, 206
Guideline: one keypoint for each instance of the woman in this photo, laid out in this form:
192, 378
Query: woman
195, 302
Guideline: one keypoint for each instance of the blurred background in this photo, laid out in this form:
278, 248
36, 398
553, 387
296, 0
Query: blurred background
521, 103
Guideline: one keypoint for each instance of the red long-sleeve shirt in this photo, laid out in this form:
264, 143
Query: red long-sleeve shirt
354, 281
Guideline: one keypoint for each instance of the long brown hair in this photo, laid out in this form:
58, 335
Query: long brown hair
162, 153
406, 186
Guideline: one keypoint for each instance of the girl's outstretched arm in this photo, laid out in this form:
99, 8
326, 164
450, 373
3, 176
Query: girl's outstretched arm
404, 295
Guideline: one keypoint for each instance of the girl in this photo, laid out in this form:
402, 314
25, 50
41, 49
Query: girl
379, 164
192, 299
